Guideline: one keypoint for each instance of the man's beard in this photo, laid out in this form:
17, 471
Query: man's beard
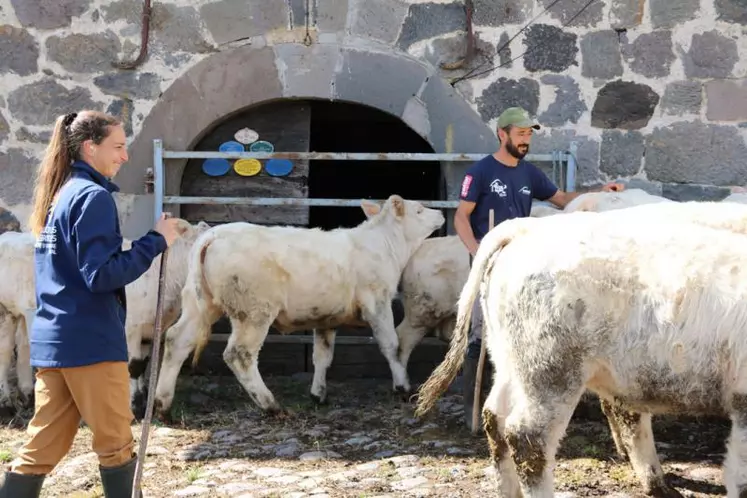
514, 151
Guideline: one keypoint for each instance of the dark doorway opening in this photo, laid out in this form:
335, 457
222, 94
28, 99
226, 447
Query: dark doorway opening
343, 127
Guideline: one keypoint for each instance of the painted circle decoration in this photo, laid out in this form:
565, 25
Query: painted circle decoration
262, 146
247, 167
215, 167
231, 146
246, 136
278, 167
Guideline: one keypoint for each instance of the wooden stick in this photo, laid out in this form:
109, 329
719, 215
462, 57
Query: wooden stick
481, 361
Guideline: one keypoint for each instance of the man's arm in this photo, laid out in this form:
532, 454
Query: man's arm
463, 227
561, 198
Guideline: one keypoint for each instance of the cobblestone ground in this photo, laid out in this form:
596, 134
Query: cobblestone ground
364, 443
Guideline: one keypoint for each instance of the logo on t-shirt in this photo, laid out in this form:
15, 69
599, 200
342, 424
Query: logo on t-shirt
498, 187
525, 190
465, 185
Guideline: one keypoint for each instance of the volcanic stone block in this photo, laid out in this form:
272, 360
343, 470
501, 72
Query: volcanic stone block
727, 100
19, 51
81, 53
549, 48
587, 169
669, 13
8, 222
4, 128
123, 108
600, 55
380, 20
177, 29
130, 85
651, 54
498, 13
129, 10
568, 105
504, 93
624, 104
48, 14
711, 55
731, 11
567, 11
426, 20
683, 192
682, 97
694, 152
17, 171
230, 20
626, 14
620, 153
40, 103
386, 90
330, 15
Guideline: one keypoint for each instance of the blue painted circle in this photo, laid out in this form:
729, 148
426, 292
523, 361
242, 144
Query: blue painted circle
216, 167
278, 167
231, 146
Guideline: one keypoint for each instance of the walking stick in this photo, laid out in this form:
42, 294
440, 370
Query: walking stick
154, 357
481, 361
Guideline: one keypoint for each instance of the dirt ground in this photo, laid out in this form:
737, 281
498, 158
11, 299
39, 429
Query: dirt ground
364, 443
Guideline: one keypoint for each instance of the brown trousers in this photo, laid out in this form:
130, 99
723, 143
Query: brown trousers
100, 395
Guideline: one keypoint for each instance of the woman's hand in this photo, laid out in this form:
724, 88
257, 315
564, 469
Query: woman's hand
168, 227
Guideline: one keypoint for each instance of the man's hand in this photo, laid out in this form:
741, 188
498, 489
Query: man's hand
613, 187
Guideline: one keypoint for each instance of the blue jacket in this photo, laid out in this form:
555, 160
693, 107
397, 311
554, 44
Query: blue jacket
81, 272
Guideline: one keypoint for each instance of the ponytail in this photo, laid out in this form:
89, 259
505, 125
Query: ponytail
52, 174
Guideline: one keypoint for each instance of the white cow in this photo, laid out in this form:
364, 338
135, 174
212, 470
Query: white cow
295, 279
648, 312
18, 305
437, 271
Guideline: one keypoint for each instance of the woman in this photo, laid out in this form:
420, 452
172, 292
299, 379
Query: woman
77, 338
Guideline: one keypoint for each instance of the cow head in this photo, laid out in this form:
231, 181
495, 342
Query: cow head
417, 222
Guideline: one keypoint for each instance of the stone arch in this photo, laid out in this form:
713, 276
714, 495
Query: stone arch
230, 82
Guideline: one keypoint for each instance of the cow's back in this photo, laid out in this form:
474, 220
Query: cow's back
17, 268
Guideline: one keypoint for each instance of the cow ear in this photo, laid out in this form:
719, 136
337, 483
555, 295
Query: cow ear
202, 224
370, 208
398, 205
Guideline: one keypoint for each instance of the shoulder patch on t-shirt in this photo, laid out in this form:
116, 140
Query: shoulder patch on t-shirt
465, 185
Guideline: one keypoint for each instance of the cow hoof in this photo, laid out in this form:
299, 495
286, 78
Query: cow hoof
402, 393
7, 413
163, 416
318, 400
139, 403
280, 413
664, 491
26, 401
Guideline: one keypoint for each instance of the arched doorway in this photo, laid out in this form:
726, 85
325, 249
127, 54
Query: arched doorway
300, 125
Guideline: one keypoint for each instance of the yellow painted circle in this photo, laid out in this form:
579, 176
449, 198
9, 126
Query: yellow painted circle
247, 167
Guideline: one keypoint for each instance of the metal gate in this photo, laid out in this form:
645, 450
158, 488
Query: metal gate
557, 158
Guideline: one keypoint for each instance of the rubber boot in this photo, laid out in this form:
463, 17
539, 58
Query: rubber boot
22, 485
117, 481
469, 376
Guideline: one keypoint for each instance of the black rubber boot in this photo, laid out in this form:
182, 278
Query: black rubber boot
117, 481
469, 377
22, 485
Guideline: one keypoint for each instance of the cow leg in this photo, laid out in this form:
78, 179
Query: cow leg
137, 363
614, 428
324, 349
494, 426
735, 463
382, 324
409, 336
7, 343
534, 428
242, 354
637, 438
179, 340
24, 372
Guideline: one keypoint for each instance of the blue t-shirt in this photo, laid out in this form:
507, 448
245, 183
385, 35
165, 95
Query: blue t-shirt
80, 275
505, 189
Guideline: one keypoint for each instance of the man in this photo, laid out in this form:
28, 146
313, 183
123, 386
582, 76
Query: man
505, 183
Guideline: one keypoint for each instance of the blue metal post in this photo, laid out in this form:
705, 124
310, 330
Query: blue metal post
159, 179
570, 178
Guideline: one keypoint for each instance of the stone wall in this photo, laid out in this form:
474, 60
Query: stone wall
654, 91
